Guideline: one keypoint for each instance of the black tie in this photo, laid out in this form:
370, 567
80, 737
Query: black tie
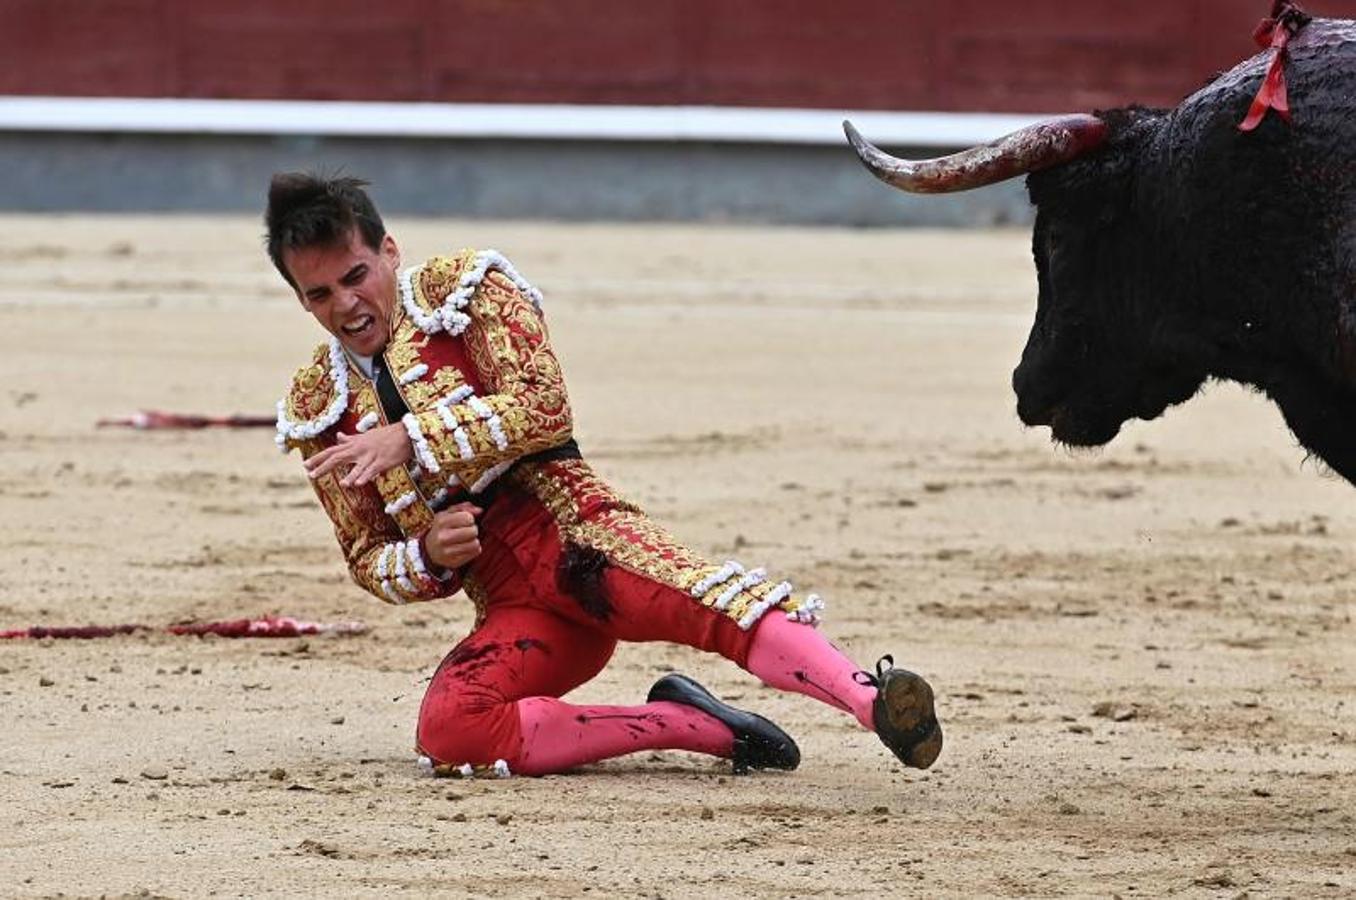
391, 402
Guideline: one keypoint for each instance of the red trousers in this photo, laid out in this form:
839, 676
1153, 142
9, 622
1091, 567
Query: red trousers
538, 641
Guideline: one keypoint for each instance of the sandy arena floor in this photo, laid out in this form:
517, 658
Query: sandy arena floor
1144, 656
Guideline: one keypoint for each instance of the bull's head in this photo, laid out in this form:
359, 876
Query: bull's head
1098, 353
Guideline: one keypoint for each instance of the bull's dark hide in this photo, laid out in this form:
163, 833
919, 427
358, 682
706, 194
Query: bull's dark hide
1186, 249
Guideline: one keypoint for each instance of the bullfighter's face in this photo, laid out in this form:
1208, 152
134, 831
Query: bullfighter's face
350, 289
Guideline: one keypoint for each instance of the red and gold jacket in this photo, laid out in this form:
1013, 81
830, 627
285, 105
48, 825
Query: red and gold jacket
470, 354
478, 401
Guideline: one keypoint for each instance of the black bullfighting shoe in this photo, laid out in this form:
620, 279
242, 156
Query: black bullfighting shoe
903, 714
758, 743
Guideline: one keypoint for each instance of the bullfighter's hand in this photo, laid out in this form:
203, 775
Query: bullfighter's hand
367, 455
453, 539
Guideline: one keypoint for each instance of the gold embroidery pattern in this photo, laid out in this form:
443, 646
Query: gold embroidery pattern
591, 514
413, 517
372, 539
404, 352
479, 598
511, 352
429, 485
312, 390
446, 380
366, 533
364, 400
438, 278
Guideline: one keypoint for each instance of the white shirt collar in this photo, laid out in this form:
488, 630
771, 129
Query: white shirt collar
362, 362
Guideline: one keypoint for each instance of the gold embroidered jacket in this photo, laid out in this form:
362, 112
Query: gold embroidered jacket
476, 403
472, 359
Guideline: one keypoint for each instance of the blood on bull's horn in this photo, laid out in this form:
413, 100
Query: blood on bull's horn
1035, 147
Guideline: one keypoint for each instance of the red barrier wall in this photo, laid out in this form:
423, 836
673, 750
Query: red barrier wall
973, 55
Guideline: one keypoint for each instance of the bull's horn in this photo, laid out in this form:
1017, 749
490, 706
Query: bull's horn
1035, 147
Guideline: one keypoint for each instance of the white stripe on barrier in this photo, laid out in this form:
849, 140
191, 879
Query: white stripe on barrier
520, 121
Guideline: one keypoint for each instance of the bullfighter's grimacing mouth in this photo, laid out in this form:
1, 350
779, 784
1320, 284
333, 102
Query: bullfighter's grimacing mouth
359, 326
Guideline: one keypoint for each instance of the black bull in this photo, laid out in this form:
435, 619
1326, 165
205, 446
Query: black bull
1171, 247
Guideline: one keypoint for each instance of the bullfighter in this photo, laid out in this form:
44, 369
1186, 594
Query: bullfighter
435, 427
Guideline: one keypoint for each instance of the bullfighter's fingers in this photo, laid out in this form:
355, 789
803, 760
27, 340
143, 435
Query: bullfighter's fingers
457, 536
459, 519
464, 506
316, 459
333, 458
464, 553
362, 472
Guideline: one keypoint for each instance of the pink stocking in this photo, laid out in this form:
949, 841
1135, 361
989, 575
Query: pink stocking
558, 736
792, 656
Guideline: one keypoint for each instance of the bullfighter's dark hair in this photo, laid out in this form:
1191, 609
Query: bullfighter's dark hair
308, 210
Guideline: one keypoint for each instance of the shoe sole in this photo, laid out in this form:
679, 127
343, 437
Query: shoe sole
909, 703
